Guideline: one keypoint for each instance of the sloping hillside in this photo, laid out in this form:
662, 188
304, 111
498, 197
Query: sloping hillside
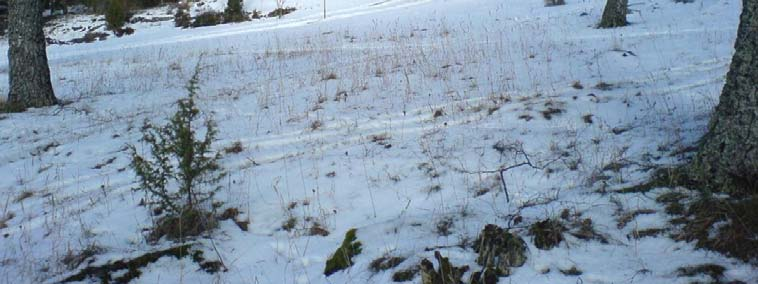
392, 117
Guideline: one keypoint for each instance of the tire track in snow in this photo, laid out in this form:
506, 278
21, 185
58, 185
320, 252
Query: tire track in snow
351, 131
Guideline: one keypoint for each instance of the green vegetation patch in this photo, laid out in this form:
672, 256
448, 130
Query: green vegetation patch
343, 256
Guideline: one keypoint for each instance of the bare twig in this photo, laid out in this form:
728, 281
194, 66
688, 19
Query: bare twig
502, 170
218, 254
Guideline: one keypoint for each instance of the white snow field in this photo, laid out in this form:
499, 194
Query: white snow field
383, 117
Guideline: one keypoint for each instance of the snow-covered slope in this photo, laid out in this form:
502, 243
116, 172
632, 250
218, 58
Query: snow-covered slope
383, 117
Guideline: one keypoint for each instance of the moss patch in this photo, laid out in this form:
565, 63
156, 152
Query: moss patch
343, 256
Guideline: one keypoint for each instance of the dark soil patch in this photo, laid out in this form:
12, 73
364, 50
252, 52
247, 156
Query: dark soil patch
133, 266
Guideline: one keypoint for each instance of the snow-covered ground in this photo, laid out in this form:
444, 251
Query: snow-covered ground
383, 117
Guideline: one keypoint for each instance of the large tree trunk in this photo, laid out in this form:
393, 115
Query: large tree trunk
727, 160
614, 14
29, 75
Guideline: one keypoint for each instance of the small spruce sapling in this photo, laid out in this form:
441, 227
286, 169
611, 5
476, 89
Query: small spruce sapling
117, 14
234, 12
182, 171
182, 17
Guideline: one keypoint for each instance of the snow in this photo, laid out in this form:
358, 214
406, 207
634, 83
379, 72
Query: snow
492, 67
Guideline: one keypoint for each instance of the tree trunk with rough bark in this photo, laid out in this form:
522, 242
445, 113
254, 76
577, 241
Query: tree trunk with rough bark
614, 14
727, 160
29, 74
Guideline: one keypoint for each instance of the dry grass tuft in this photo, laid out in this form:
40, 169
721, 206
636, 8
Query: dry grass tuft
235, 148
550, 3
190, 223
385, 263
547, 233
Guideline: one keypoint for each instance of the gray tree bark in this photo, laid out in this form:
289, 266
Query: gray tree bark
29, 75
727, 160
614, 14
